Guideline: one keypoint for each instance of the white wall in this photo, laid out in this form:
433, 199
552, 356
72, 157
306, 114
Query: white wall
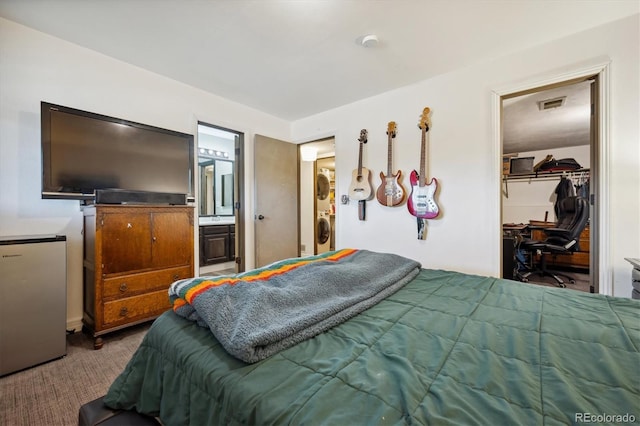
36, 67
530, 199
464, 157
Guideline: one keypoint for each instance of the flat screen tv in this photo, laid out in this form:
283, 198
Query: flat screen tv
83, 152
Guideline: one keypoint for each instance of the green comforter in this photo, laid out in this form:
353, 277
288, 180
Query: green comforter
448, 348
261, 312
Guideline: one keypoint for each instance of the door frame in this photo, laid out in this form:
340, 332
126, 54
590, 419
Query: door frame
321, 141
600, 270
238, 194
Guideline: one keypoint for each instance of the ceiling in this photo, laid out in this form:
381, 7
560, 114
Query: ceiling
296, 58
564, 122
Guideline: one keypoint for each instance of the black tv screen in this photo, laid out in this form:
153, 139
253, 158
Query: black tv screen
83, 152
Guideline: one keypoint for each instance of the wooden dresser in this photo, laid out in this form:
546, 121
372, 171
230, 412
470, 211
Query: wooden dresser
131, 255
578, 259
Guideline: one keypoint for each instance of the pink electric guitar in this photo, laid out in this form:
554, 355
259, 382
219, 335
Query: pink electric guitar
421, 203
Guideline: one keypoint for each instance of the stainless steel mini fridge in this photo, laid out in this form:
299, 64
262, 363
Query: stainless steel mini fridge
33, 300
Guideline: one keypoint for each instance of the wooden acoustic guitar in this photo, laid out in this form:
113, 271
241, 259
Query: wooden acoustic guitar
360, 188
390, 192
421, 202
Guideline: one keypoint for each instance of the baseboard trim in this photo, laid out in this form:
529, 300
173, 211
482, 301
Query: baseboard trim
74, 324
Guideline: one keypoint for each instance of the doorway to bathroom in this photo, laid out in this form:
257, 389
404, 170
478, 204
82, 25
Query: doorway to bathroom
220, 189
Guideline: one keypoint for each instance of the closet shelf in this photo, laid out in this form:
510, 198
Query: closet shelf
541, 175
579, 173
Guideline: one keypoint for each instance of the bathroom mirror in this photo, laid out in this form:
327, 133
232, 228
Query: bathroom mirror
216, 187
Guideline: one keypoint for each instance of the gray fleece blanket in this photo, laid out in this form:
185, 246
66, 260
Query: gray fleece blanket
261, 312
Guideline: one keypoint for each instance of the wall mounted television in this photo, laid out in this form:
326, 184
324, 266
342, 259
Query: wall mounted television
83, 152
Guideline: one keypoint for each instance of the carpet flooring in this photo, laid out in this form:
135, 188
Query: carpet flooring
52, 393
582, 281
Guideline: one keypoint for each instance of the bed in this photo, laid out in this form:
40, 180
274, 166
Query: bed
443, 348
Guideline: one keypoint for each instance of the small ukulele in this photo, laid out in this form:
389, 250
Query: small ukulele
421, 202
390, 192
360, 188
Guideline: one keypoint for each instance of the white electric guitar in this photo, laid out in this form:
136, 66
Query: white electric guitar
421, 202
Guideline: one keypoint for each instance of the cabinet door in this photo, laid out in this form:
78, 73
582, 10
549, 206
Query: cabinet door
125, 242
215, 248
232, 246
171, 238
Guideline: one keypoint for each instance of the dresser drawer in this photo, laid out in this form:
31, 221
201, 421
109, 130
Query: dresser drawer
130, 285
122, 311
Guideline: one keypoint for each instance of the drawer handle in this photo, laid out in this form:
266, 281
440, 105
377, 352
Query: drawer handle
123, 287
176, 277
123, 312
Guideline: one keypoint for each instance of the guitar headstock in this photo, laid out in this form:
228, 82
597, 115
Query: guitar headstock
425, 121
391, 129
363, 136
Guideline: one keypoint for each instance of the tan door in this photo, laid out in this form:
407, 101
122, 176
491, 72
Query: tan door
276, 207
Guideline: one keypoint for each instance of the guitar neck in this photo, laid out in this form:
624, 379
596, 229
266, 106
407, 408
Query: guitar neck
360, 161
389, 171
423, 168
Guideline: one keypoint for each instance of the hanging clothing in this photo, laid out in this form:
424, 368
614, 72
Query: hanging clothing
583, 190
563, 190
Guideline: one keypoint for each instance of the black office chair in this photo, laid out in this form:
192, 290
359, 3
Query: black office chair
564, 238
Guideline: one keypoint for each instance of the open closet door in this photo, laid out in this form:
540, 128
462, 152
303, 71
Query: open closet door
276, 200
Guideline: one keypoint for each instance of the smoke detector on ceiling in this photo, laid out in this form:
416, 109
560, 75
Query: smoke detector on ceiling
552, 103
370, 40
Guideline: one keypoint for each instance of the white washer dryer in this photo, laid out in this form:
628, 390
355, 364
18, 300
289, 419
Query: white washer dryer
323, 234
